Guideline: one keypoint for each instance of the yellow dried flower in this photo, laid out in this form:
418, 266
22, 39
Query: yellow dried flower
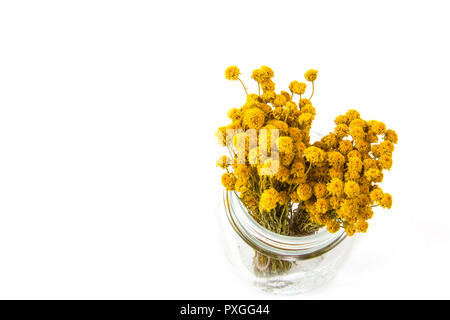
320, 190
280, 100
311, 75
377, 127
333, 181
297, 87
391, 135
354, 153
262, 74
268, 85
304, 192
357, 132
352, 115
374, 175
376, 195
342, 119
336, 173
300, 147
386, 147
291, 107
254, 118
305, 120
345, 146
269, 199
370, 164
350, 230
335, 186
268, 96
386, 162
331, 140
333, 226
282, 174
355, 164
228, 181
335, 202
386, 202
315, 155
232, 73
341, 130
308, 108
361, 226
303, 102
322, 205
285, 145
351, 189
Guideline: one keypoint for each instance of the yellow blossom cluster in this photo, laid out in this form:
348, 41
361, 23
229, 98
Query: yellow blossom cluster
290, 184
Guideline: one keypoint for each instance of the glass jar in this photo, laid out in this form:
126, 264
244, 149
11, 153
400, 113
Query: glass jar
275, 263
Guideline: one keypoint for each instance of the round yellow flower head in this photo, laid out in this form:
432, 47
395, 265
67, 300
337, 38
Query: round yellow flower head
285, 145
269, 96
342, 119
297, 87
351, 189
305, 120
333, 226
269, 199
335, 159
267, 72
341, 130
358, 123
386, 162
311, 75
357, 132
291, 107
376, 195
361, 226
330, 140
308, 108
300, 147
304, 192
268, 85
262, 74
282, 174
377, 127
280, 100
354, 153
386, 202
350, 230
322, 205
354, 164
315, 155
232, 73
336, 173
391, 135
335, 202
374, 175
387, 147
345, 146
335, 186
352, 115
320, 190
303, 102
254, 118
228, 181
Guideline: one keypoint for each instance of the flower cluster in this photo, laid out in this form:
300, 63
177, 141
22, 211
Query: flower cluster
288, 182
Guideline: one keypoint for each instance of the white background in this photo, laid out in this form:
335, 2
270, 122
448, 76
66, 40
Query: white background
108, 185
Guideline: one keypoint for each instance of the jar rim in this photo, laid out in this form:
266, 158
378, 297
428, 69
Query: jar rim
273, 244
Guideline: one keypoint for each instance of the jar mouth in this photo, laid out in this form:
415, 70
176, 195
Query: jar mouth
273, 244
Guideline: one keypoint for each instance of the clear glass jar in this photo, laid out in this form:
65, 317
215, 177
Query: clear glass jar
275, 263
